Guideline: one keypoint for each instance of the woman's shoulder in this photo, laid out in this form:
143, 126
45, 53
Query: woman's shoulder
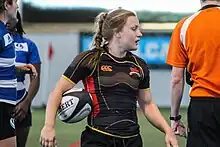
85, 56
88, 53
139, 59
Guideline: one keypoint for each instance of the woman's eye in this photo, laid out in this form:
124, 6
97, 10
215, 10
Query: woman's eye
134, 29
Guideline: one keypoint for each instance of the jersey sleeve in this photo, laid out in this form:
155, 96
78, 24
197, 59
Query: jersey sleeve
145, 81
79, 69
177, 55
34, 57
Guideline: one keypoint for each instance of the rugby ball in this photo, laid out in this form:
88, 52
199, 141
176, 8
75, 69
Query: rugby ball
76, 104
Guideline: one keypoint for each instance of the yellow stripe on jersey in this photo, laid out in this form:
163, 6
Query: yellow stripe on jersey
68, 80
106, 133
147, 89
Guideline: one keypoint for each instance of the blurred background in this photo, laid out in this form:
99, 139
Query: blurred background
63, 29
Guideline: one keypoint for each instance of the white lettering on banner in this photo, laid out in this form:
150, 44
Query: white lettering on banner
164, 49
155, 51
151, 50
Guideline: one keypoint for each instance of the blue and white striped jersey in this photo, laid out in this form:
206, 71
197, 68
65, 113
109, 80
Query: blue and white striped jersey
8, 81
26, 52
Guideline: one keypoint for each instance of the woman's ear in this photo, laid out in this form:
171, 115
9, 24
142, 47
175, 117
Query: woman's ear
117, 34
6, 5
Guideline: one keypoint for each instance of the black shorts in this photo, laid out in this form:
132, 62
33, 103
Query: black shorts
204, 122
6, 122
91, 138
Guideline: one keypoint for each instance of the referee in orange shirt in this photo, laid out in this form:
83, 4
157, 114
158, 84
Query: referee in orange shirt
195, 45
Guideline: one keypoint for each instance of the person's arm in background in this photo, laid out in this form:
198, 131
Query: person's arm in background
34, 59
177, 57
22, 107
34, 84
177, 87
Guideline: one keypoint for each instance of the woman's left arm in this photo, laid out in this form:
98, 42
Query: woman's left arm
151, 111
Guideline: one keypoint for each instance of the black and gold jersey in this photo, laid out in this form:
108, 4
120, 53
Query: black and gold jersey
113, 84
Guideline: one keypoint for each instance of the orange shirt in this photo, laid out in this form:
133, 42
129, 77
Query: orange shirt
195, 44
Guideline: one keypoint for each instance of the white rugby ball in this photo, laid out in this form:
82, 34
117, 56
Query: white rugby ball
76, 104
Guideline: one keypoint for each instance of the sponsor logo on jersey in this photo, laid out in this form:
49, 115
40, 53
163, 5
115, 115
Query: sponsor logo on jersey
7, 39
21, 47
134, 70
106, 68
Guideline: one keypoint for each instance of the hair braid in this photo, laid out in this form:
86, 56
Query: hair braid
98, 38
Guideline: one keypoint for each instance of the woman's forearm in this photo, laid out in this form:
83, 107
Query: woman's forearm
52, 106
54, 100
154, 116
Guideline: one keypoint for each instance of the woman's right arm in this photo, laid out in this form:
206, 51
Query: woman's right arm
76, 71
47, 137
54, 100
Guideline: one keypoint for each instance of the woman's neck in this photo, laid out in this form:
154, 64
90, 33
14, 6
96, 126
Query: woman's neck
210, 3
116, 50
2, 18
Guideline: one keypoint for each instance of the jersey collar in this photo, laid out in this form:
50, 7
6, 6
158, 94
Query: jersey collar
209, 6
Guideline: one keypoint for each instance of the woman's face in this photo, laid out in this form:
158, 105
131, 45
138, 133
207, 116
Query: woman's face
130, 34
12, 9
11, 24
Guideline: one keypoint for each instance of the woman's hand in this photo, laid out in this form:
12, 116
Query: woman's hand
170, 139
47, 137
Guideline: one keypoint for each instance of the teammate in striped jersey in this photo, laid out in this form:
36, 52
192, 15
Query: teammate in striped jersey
26, 54
8, 82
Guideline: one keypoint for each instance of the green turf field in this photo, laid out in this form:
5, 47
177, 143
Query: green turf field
68, 134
